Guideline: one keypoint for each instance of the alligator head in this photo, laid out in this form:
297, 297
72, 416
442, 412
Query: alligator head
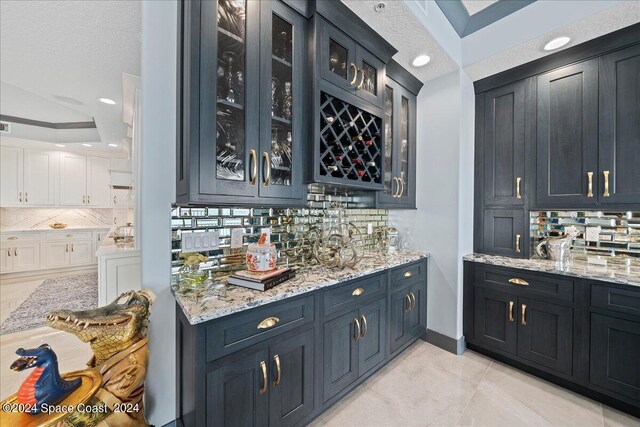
109, 329
33, 357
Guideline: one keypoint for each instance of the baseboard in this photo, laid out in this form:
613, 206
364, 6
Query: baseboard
11, 278
452, 345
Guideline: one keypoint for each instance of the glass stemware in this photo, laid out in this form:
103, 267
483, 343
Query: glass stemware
275, 102
231, 60
287, 103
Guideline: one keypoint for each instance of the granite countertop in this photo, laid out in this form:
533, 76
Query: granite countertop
624, 271
203, 305
22, 229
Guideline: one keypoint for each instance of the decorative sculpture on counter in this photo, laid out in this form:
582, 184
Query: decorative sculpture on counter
341, 245
44, 386
111, 390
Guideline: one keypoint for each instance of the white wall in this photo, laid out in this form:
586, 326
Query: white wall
156, 192
442, 222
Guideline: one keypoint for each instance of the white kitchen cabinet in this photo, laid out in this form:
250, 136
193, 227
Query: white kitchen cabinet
11, 176
120, 217
80, 252
26, 256
6, 264
56, 254
118, 272
73, 180
98, 180
120, 198
39, 178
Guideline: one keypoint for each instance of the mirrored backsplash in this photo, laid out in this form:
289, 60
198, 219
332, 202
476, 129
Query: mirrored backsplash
611, 233
293, 230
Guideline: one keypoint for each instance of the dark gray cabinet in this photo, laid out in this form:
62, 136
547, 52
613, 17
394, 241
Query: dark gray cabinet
241, 97
567, 136
619, 141
400, 142
407, 317
373, 338
494, 321
545, 334
504, 145
504, 232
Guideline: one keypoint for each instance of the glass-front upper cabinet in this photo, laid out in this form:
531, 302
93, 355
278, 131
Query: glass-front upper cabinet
242, 75
390, 182
281, 108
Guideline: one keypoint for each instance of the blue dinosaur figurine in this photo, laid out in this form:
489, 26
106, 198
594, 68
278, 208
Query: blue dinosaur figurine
44, 385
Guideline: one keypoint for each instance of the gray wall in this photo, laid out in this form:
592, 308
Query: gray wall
442, 224
156, 192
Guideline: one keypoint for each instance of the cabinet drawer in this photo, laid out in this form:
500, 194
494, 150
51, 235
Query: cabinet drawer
66, 235
351, 293
531, 284
19, 237
238, 331
615, 299
408, 273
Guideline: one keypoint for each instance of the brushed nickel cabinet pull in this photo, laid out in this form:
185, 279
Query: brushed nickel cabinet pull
606, 183
413, 299
523, 319
590, 190
267, 177
395, 193
407, 307
263, 368
357, 292
365, 328
355, 75
254, 174
276, 359
269, 322
356, 328
361, 81
518, 243
511, 319
401, 192
518, 194
517, 281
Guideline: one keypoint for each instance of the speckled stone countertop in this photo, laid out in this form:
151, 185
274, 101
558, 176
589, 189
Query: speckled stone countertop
203, 305
623, 271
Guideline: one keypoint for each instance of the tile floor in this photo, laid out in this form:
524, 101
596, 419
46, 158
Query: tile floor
72, 353
427, 386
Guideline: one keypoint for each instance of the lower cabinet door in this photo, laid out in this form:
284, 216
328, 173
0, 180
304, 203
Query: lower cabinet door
291, 380
26, 256
615, 355
503, 232
56, 254
545, 334
495, 324
416, 317
238, 391
373, 335
80, 252
6, 261
400, 302
340, 353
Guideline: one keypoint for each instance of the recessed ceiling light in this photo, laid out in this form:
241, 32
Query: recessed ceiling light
113, 145
107, 101
379, 7
60, 145
421, 60
87, 145
557, 43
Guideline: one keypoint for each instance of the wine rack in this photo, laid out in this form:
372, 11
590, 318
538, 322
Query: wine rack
350, 142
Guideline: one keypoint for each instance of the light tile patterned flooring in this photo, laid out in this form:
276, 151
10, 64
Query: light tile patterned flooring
427, 386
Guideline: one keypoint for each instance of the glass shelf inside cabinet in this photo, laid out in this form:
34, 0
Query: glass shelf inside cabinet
281, 101
350, 142
230, 119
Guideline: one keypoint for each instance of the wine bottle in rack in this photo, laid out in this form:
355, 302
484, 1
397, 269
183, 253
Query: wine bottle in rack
371, 164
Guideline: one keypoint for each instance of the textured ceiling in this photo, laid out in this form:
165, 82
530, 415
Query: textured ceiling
76, 49
399, 26
614, 18
475, 6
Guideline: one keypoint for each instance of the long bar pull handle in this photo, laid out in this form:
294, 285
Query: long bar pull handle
355, 74
365, 328
265, 382
267, 176
15, 251
276, 359
523, 318
606, 183
590, 190
413, 301
511, 304
356, 322
518, 182
397, 181
401, 192
254, 172
72, 247
518, 243
361, 81
66, 247
407, 306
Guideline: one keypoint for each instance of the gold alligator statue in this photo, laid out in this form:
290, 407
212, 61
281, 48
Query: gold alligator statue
117, 334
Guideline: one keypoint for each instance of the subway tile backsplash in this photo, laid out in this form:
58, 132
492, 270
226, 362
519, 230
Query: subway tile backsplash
619, 231
293, 230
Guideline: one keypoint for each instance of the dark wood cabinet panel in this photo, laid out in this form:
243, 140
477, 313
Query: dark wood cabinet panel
340, 353
619, 96
494, 320
337, 56
291, 398
373, 324
545, 334
234, 397
504, 145
615, 352
567, 136
504, 232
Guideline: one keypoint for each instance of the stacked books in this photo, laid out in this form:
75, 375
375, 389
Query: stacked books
263, 280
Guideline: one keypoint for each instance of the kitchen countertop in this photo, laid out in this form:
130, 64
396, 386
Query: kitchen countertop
5, 230
203, 305
624, 271
109, 247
